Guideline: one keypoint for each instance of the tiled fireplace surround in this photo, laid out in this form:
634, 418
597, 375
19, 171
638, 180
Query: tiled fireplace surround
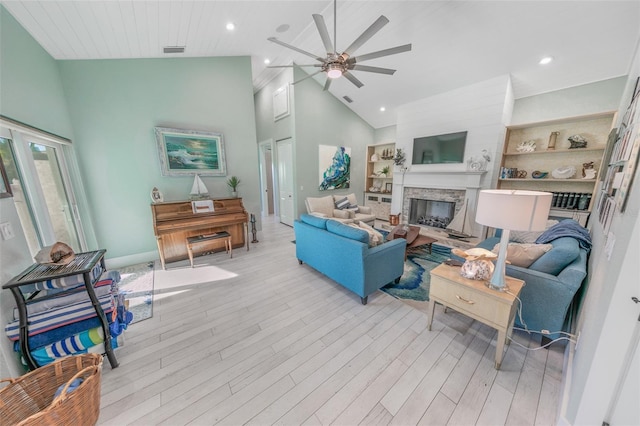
453, 187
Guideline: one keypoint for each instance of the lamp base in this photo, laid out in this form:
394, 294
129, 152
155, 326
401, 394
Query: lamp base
503, 288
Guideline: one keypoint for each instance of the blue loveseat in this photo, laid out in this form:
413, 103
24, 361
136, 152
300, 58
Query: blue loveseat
552, 281
342, 253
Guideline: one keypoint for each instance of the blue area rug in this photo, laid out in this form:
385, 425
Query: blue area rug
415, 280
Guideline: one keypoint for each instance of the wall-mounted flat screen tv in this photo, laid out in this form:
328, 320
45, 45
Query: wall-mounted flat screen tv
439, 149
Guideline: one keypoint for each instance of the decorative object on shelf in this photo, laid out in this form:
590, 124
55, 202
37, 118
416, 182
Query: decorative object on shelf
511, 210
564, 172
526, 146
399, 158
375, 157
521, 174
537, 174
552, 141
478, 163
387, 154
233, 183
388, 187
588, 172
190, 152
156, 195
56, 254
253, 228
198, 189
334, 167
577, 141
384, 172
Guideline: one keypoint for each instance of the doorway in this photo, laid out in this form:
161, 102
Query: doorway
267, 185
285, 182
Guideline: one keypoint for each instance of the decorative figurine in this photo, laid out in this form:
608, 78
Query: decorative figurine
526, 146
588, 172
577, 141
552, 140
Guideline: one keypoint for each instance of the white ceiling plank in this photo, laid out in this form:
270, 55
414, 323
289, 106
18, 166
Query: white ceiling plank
455, 43
131, 32
40, 33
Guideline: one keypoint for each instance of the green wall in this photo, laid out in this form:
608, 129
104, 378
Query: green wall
114, 107
30, 85
321, 119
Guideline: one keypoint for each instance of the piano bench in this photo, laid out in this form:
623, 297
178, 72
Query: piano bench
194, 241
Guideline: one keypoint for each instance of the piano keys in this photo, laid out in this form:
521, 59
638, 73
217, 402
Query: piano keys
175, 221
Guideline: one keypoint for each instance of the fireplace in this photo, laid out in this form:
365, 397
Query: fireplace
433, 207
434, 213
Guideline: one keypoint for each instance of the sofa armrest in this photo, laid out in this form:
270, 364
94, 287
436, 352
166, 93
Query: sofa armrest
316, 214
343, 214
364, 209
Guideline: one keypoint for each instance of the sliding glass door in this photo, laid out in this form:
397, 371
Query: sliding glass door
42, 191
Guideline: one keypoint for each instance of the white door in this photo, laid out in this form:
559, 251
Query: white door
285, 181
266, 178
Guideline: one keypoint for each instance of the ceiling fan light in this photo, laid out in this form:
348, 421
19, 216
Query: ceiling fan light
334, 71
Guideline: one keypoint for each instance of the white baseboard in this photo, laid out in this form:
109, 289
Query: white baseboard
119, 262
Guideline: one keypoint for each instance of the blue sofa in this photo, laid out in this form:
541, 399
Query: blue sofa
342, 253
551, 282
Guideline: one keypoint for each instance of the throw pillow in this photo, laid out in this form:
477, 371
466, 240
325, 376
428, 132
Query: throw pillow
529, 237
524, 255
353, 208
342, 203
375, 237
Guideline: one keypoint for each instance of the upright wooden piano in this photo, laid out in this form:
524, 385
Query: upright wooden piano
175, 221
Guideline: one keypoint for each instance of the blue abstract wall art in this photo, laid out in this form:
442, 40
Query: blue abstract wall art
335, 167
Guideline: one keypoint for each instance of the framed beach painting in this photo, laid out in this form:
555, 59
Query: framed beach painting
335, 167
189, 152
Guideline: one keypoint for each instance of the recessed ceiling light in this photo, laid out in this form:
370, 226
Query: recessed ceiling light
267, 61
230, 26
382, 109
546, 60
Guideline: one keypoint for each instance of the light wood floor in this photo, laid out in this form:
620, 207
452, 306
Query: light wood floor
259, 339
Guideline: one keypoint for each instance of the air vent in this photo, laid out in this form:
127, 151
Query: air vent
348, 99
174, 49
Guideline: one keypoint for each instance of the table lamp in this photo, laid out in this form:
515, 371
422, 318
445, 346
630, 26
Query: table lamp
511, 210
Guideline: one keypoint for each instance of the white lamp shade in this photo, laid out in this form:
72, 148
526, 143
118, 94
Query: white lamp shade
514, 210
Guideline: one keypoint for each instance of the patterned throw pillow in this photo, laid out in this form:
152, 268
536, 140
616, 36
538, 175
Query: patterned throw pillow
342, 203
524, 255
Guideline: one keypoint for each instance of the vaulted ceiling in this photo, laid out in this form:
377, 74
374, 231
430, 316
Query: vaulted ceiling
455, 43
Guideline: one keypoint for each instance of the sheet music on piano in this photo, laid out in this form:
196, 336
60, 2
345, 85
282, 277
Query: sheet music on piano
202, 206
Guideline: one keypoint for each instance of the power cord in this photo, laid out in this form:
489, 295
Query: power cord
542, 332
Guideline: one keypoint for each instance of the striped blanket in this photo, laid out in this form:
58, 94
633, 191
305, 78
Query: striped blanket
53, 318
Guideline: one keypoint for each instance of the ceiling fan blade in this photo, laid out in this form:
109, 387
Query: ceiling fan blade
378, 70
294, 65
352, 79
324, 33
327, 84
304, 52
367, 34
380, 53
309, 76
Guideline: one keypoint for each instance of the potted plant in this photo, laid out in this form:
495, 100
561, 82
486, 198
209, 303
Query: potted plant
233, 183
384, 172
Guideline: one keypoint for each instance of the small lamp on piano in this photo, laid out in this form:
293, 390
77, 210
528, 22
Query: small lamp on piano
511, 210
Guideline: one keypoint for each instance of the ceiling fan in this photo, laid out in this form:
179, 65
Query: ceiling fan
340, 64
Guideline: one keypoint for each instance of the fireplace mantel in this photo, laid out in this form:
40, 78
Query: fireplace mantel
441, 179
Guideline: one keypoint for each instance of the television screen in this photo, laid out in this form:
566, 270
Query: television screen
439, 149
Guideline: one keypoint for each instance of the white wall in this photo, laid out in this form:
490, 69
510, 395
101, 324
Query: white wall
482, 109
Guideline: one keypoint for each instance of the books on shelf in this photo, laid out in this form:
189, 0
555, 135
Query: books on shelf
571, 200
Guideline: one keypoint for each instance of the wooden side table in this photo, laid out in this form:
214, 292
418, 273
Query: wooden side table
474, 299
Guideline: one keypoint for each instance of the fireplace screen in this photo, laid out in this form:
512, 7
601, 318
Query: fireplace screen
433, 213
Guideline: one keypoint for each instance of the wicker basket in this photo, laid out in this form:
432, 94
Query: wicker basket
29, 399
